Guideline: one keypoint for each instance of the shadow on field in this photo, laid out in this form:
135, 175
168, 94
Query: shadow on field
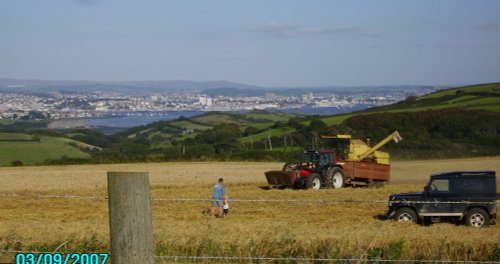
267, 188
381, 217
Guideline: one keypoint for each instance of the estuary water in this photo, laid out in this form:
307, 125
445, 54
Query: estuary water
134, 119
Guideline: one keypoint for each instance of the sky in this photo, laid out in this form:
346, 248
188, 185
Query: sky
270, 43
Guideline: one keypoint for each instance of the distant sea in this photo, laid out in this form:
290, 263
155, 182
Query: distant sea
134, 119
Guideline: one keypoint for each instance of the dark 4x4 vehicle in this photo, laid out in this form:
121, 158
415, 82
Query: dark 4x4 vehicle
468, 196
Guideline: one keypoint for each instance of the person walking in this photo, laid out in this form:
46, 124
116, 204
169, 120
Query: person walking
218, 198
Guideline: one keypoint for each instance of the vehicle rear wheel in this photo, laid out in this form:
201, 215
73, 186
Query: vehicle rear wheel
477, 217
337, 179
314, 182
406, 214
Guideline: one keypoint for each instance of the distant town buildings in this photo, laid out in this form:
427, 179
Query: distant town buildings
96, 104
206, 101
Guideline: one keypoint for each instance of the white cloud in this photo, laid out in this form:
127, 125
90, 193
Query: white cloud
277, 29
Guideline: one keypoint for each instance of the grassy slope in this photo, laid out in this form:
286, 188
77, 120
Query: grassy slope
258, 119
481, 88
479, 97
4, 121
15, 136
32, 152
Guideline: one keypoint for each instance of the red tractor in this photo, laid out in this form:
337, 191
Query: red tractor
353, 162
315, 169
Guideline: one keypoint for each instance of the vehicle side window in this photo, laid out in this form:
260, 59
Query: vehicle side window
439, 186
479, 185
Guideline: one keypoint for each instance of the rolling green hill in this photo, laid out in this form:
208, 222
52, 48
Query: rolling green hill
160, 133
478, 97
29, 150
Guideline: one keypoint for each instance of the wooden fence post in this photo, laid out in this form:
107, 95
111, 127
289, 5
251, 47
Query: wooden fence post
130, 221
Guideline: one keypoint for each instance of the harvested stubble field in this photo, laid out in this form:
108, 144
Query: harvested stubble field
327, 224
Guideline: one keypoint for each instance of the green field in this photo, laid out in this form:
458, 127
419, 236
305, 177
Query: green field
276, 132
4, 121
273, 117
258, 119
483, 88
15, 137
186, 124
33, 152
336, 119
478, 97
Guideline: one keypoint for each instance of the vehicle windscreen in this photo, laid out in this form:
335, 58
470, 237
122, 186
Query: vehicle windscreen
309, 157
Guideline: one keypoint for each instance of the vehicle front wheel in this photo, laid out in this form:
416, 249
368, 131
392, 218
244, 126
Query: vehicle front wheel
477, 217
406, 214
314, 182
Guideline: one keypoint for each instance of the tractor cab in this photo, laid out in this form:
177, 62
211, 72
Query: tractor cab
340, 145
319, 158
315, 161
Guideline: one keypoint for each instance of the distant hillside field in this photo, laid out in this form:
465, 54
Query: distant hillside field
30, 151
477, 97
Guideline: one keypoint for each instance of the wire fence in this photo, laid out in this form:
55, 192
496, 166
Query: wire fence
256, 258
298, 201
282, 259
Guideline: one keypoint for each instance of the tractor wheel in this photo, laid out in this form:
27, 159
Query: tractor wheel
335, 178
406, 214
477, 217
314, 182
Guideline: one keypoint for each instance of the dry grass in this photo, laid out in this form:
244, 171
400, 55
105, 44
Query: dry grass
311, 229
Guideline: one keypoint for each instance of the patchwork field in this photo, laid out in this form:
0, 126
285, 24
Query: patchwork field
24, 148
345, 223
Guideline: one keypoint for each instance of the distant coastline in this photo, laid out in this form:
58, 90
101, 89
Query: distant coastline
133, 119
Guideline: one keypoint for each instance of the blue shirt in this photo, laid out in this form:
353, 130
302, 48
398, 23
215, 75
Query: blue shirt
218, 191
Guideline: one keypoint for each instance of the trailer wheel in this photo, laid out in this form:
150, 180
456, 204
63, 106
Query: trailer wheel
314, 182
335, 178
477, 217
379, 184
406, 214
